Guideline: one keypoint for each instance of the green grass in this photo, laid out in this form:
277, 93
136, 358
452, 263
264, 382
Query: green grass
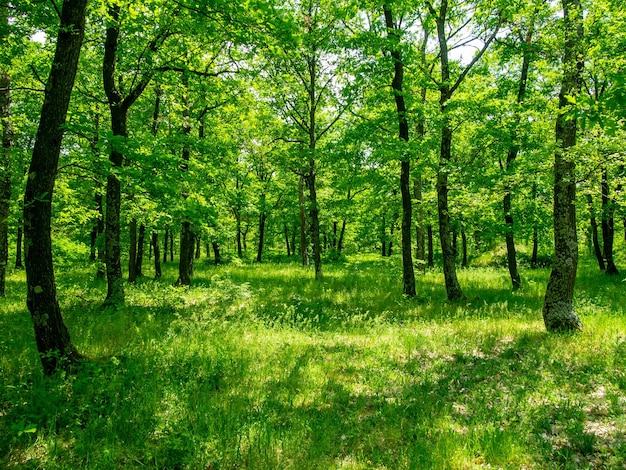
258, 366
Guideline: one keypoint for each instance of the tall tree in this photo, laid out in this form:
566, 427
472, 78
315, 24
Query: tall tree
408, 275
119, 105
5, 155
447, 86
53, 340
558, 309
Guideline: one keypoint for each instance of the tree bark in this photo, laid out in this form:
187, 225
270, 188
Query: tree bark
464, 249
18, 244
341, 236
165, 244
132, 251
157, 255
216, 253
511, 257
408, 274
594, 234
431, 257
5, 166
287, 241
558, 309
420, 233
453, 289
53, 340
314, 217
304, 254
187, 236
608, 225
262, 219
140, 248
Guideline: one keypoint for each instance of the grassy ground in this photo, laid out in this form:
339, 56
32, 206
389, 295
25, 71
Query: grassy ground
260, 367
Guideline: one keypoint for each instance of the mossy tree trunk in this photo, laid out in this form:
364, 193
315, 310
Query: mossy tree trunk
558, 308
53, 340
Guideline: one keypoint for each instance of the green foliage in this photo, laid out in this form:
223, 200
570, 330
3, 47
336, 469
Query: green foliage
259, 366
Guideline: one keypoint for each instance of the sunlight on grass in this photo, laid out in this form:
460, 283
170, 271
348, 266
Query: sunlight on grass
259, 366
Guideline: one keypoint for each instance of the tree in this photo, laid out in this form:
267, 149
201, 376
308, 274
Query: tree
408, 274
5, 155
53, 340
558, 308
447, 85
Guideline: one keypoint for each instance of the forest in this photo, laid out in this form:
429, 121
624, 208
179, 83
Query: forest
312, 234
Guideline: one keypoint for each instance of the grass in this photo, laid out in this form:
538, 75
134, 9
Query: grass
258, 366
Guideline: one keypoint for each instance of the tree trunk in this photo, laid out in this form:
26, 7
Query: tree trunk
341, 236
198, 246
383, 238
132, 251
171, 246
187, 245
140, 246
5, 165
464, 249
315, 222
187, 237
287, 241
533, 259
55, 347
408, 275
18, 244
558, 308
335, 234
303, 241
157, 255
420, 235
262, 218
608, 227
238, 237
118, 106
431, 257
594, 234
216, 253
511, 254
166, 239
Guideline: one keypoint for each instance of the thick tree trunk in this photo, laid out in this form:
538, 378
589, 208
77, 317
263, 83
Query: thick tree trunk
132, 251
304, 254
558, 308
53, 340
5, 166
594, 234
157, 255
608, 226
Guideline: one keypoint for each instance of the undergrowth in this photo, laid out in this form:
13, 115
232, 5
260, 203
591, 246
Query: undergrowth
258, 366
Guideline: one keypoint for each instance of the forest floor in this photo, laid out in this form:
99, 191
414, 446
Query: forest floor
258, 366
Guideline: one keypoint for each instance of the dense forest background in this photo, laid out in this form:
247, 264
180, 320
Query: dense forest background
360, 145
